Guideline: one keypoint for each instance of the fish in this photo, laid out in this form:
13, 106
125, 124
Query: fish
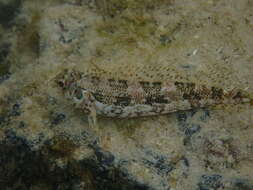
126, 98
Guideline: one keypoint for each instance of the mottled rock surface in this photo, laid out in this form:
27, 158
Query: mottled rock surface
46, 144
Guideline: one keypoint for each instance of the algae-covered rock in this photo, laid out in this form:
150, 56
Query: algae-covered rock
47, 144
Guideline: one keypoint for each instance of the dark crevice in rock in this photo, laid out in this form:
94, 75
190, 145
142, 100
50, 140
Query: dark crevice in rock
109, 177
189, 127
8, 12
4, 51
242, 184
158, 162
210, 182
4, 65
22, 168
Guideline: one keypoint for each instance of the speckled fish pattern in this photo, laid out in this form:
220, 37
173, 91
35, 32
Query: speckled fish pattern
125, 98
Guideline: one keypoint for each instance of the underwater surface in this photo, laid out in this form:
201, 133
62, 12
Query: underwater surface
47, 143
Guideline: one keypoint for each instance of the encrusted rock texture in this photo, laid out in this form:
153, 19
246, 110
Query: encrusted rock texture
46, 144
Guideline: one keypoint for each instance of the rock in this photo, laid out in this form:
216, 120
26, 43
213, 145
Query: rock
48, 144
8, 11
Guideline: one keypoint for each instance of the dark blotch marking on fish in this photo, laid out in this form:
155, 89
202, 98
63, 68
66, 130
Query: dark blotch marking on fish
160, 99
118, 84
188, 90
122, 101
238, 95
217, 93
112, 82
123, 84
179, 85
203, 92
157, 85
145, 85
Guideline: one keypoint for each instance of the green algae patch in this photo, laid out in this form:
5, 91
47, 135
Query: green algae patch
128, 29
128, 22
114, 7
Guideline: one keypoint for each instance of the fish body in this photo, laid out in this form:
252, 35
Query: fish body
126, 98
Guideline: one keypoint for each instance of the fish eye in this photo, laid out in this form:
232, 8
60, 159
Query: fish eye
78, 93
